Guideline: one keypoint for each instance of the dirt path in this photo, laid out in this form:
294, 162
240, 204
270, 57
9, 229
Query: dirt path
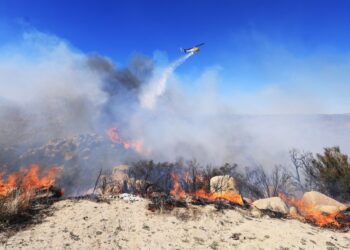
120, 225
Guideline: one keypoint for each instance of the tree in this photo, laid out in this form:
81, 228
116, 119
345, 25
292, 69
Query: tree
334, 173
307, 176
259, 183
328, 172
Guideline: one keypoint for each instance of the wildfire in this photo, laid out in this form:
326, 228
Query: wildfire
8, 185
225, 195
311, 213
27, 180
178, 191
114, 136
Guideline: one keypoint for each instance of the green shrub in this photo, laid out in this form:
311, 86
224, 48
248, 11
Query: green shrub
334, 173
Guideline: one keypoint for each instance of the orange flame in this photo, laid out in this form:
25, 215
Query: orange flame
114, 136
311, 213
7, 185
28, 180
225, 195
178, 191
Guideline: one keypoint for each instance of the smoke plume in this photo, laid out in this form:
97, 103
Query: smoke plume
50, 90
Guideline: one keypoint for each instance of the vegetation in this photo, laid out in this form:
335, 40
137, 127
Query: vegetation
328, 172
11, 205
258, 183
333, 169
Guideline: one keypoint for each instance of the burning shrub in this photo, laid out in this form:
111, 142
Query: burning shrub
19, 190
11, 204
318, 209
170, 185
149, 174
81, 156
142, 178
195, 183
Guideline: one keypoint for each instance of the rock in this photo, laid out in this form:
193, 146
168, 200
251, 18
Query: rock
274, 204
322, 202
119, 174
118, 182
141, 186
248, 200
255, 212
129, 197
223, 183
329, 209
120, 177
121, 168
235, 236
293, 212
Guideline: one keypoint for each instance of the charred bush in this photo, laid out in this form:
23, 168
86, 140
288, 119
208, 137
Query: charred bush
258, 183
306, 175
155, 175
164, 202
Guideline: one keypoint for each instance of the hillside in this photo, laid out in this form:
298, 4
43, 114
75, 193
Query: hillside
83, 224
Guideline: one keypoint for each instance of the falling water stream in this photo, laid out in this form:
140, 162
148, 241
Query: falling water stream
157, 84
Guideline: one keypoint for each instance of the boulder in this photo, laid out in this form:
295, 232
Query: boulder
120, 179
141, 186
223, 183
322, 202
121, 168
293, 213
119, 173
129, 197
274, 204
247, 200
255, 212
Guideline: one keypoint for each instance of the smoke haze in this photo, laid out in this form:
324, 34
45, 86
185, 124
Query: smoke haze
51, 90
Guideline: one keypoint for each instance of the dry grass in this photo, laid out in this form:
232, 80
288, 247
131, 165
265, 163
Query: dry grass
12, 204
24, 193
19, 211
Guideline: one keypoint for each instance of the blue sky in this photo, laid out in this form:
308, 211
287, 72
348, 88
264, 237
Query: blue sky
257, 45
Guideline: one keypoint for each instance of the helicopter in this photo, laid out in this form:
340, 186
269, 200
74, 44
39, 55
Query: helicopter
193, 49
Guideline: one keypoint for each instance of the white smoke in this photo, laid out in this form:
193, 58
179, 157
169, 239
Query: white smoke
55, 91
157, 84
47, 91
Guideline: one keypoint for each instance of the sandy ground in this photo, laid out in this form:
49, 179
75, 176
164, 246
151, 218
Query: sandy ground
120, 225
